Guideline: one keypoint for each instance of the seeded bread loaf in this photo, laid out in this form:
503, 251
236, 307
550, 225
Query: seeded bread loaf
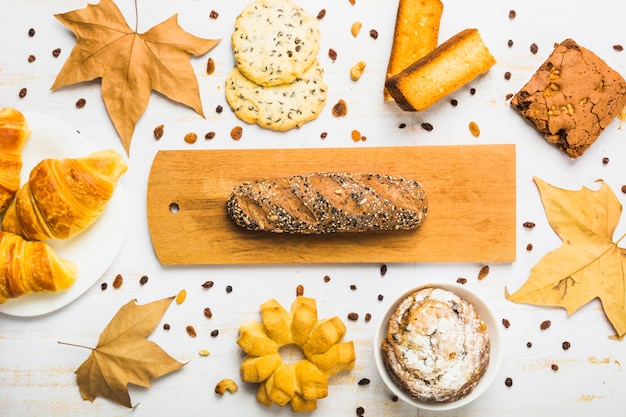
448, 67
571, 97
437, 346
320, 203
416, 33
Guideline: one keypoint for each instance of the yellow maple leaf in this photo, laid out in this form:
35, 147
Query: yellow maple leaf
130, 64
588, 264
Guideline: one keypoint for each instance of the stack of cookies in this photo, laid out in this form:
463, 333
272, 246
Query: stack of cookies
277, 81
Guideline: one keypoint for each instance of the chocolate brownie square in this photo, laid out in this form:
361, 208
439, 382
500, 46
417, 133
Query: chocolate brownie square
572, 97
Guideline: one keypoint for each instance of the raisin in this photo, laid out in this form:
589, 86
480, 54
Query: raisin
56, 52
326, 278
512, 14
207, 312
402, 125
510, 43
566, 345
554, 367
80, 103
368, 317
352, 287
191, 331
31, 58
529, 344
215, 333
118, 281
353, 316
31, 32
323, 135
605, 160
236, 133
383, 270
506, 323
461, 280
508, 382
618, 47
332, 54
104, 286
299, 290
529, 247
534, 48
454, 102
22, 92
340, 109
229, 289
507, 75
484, 271
427, 127
166, 326
374, 34
191, 137
360, 411
529, 225
158, 132
321, 14
380, 297
207, 284
219, 109
143, 280
209, 135
213, 14
545, 324
363, 381
210, 66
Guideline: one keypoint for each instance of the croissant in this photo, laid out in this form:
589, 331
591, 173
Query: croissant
29, 267
63, 197
14, 132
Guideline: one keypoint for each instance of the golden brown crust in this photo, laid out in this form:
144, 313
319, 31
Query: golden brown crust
319, 203
437, 347
30, 267
416, 33
571, 97
63, 197
441, 72
14, 132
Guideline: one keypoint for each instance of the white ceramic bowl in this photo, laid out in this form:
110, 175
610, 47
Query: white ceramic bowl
495, 356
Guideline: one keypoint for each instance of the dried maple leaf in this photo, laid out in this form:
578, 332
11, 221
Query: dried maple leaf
588, 264
124, 355
130, 64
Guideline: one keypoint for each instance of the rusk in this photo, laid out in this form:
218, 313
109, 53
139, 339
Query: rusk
416, 33
448, 67
320, 203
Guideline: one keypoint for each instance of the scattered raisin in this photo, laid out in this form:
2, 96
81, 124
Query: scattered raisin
624, 189
22, 92
209, 135
158, 132
605, 160
380, 297
353, 316
368, 317
213, 14
510, 43
236, 133
374, 34
56, 52
508, 96
352, 287
207, 284
534, 48
80, 103
166, 326
507, 75
210, 66
31, 58
484, 271
566, 345
219, 109
191, 137
554, 367
454, 102
31, 32
402, 125
207, 312
529, 247
324, 135
618, 47
427, 127
529, 344
214, 333
355, 135
191, 331
529, 225
117, 282
321, 14
340, 109
474, 129
299, 290
545, 324
332, 54
383, 270
472, 91
512, 14
461, 280
229, 289
326, 278
394, 398
104, 286
506, 323
143, 280
181, 296
363, 381
508, 381
360, 411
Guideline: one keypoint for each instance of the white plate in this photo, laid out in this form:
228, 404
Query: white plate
93, 250
495, 354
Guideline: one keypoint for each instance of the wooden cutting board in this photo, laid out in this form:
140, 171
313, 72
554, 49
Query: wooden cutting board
471, 214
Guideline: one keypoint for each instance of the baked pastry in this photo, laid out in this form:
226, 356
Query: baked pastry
14, 132
63, 197
319, 203
445, 69
302, 383
571, 97
31, 267
437, 346
274, 41
416, 33
280, 107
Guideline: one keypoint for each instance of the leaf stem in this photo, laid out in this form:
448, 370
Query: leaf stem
136, 16
72, 344
620, 239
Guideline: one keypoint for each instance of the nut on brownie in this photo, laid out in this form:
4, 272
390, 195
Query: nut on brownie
572, 97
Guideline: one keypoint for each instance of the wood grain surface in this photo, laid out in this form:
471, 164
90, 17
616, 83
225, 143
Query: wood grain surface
471, 191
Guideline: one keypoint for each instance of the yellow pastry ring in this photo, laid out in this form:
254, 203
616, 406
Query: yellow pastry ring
302, 383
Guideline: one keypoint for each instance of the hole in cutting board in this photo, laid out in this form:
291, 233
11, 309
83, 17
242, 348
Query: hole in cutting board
174, 208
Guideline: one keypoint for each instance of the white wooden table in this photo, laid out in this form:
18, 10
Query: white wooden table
37, 373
